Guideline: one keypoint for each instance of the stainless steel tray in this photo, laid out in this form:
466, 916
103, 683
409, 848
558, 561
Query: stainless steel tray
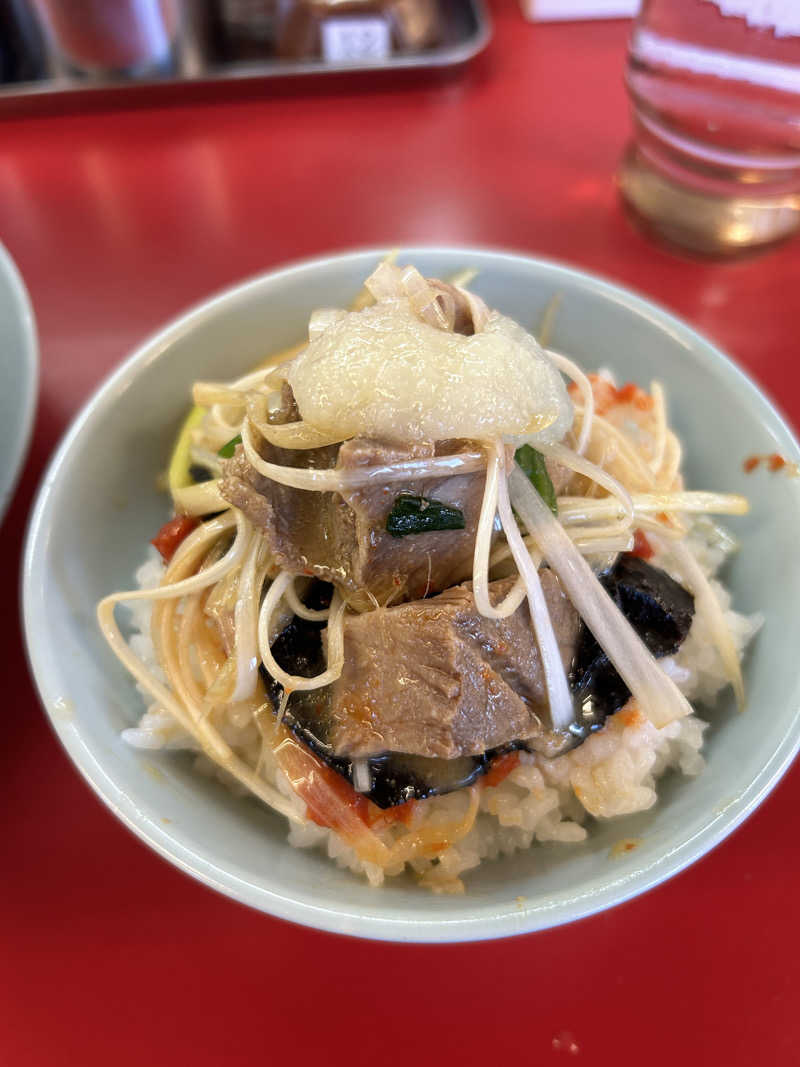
467, 31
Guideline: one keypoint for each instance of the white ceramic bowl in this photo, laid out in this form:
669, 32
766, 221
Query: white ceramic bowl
18, 375
98, 506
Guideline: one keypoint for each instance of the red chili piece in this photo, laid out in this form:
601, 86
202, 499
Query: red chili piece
641, 546
500, 769
172, 533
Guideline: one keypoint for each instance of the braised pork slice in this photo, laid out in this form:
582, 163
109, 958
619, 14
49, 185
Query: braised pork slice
417, 564
435, 678
341, 537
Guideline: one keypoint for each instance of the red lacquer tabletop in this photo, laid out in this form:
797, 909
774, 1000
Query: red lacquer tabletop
118, 218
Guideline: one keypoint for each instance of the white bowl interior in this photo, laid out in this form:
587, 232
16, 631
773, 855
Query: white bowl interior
99, 506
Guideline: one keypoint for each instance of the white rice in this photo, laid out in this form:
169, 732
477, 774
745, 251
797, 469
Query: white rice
613, 773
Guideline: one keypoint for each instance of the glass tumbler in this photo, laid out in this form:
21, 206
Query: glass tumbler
714, 85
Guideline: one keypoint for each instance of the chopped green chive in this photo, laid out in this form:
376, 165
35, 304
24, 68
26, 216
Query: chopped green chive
533, 465
227, 450
417, 514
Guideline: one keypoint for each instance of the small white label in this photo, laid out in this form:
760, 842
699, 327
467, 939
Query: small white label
562, 10
782, 16
349, 40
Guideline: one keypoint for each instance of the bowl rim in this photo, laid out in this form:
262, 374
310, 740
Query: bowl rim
486, 922
26, 384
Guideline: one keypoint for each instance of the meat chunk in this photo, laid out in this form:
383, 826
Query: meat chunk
435, 678
659, 610
342, 538
419, 563
307, 532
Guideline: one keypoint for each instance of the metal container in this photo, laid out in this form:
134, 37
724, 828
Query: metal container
191, 48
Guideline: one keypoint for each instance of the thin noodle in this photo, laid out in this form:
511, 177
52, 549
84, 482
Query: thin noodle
297, 435
335, 635
640, 474
185, 646
338, 481
577, 463
660, 418
245, 612
190, 719
559, 697
483, 542
668, 475
573, 371
300, 609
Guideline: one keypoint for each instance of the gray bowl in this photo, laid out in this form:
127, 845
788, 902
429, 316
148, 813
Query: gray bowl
19, 368
98, 506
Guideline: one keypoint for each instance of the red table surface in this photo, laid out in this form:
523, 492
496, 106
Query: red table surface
118, 219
